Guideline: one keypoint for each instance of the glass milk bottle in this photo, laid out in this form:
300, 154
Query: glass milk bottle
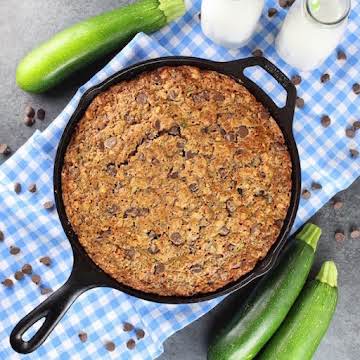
311, 31
230, 23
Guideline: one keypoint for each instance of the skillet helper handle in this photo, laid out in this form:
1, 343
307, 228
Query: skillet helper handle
52, 309
237, 68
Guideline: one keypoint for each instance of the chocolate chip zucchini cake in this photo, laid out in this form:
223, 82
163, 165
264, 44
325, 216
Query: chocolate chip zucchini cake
177, 182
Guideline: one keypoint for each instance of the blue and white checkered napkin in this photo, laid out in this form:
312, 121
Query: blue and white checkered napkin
100, 312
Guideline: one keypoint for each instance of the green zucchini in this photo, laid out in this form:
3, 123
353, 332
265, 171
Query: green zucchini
306, 324
78, 46
270, 302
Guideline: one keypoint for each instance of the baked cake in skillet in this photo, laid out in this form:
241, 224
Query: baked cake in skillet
177, 182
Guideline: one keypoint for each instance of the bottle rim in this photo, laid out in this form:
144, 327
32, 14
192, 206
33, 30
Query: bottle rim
336, 22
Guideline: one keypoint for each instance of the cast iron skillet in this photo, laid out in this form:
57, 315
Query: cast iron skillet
85, 274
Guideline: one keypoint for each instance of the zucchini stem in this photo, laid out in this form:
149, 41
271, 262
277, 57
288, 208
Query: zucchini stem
172, 9
328, 274
310, 234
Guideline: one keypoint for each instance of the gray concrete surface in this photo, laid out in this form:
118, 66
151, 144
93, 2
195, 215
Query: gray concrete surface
23, 24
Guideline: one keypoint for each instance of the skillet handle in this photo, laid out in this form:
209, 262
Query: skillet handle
52, 309
286, 113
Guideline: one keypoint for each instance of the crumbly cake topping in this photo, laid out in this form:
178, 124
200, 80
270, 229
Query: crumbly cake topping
177, 182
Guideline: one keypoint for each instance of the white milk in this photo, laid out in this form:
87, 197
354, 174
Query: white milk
311, 31
230, 23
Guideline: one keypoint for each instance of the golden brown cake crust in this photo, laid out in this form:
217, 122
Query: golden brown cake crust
177, 182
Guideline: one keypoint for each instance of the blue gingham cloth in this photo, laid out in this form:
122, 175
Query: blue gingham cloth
100, 312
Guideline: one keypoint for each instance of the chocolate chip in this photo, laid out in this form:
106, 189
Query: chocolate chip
14, 250
129, 253
355, 234
354, 153
230, 206
224, 231
130, 119
240, 191
341, 55
140, 334
27, 269
159, 268
257, 52
200, 97
356, 125
45, 291
155, 161
110, 346
111, 169
172, 95
112, 209
29, 121
110, 143
231, 247
337, 204
18, 275
189, 155
157, 125
296, 79
176, 239
272, 12
173, 174
40, 114
325, 121
45, 260
5, 149
325, 78
83, 336
279, 223
219, 97
36, 279
17, 188
350, 132
196, 268
141, 98
128, 327
174, 130
230, 137
339, 235
48, 205
300, 103
29, 111
243, 131
153, 249
152, 235
32, 188
356, 88
8, 283
194, 187
131, 344
283, 3
2, 237
316, 186
306, 194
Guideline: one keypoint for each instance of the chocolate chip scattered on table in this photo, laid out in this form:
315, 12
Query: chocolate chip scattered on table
306, 194
36, 279
32, 188
355, 233
316, 186
19, 275
300, 102
45, 260
8, 283
354, 153
341, 55
5, 149
27, 269
140, 334
350, 132
128, 327
29, 111
40, 114
2, 236
272, 12
337, 204
340, 235
83, 336
17, 188
48, 205
356, 88
14, 250
325, 121
131, 344
325, 78
110, 346
29, 121
45, 290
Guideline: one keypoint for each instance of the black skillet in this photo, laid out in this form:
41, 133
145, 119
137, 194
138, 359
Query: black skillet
85, 274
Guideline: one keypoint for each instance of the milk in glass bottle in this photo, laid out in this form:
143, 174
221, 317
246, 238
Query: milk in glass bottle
311, 31
230, 23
